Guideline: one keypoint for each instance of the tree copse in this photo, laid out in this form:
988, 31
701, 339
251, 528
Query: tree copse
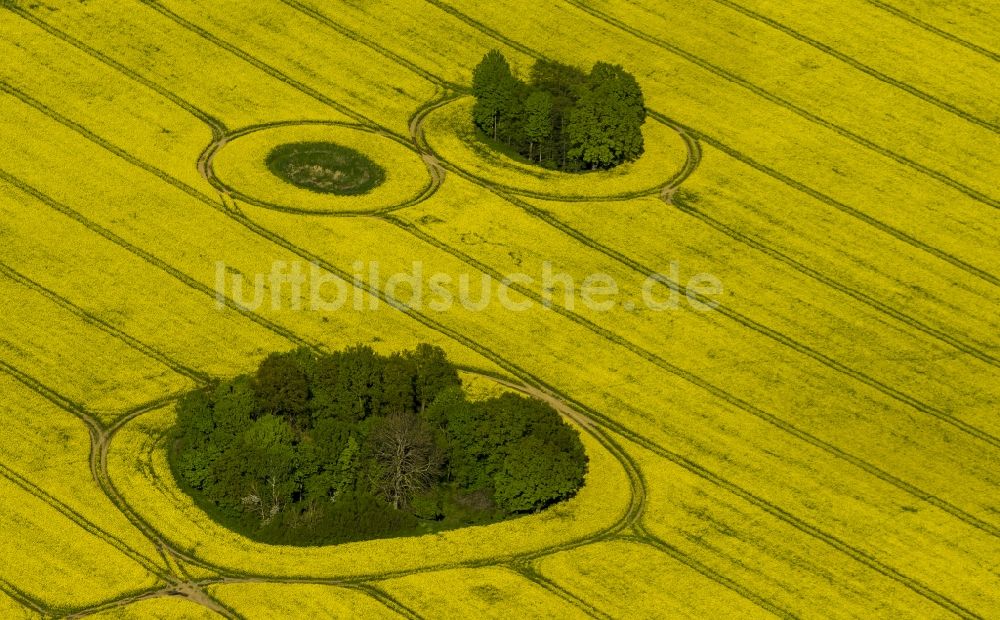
563, 119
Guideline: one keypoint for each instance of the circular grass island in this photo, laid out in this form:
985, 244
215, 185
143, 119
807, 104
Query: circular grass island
325, 168
321, 168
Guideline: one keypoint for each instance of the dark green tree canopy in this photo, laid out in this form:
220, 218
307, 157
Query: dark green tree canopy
322, 448
563, 118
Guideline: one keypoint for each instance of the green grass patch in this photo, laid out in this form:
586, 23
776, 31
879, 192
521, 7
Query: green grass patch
325, 168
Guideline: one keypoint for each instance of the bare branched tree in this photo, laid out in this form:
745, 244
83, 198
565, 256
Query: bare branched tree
407, 460
267, 505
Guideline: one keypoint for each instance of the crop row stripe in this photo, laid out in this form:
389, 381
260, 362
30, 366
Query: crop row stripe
834, 283
934, 29
133, 343
717, 391
608, 422
856, 64
740, 319
648, 539
527, 572
217, 127
23, 599
149, 258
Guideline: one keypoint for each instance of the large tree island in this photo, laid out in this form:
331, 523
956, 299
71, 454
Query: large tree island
325, 448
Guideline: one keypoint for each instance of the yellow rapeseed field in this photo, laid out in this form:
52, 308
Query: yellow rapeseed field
824, 443
479, 592
50, 548
262, 600
48, 455
160, 607
91, 367
643, 574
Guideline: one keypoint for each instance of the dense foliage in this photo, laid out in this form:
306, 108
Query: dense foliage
322, 448
563, 118
325, 167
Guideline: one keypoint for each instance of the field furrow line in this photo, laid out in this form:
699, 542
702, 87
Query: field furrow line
627, 520
427, 322
940, 254
853, 212
94, 425
644, 537
99, 437
380, 49
860, 556
90, 319
811, 530
637, 482
98, 463
32, 489
742, 320
99, 468
757, 327
972, 270
59, 118
882, 77
689, 136
888, 8
386, 599
23, 599
691, 163
215, 124
205, 166
788, 105
527, 571
275, 73
783, 339
122, 602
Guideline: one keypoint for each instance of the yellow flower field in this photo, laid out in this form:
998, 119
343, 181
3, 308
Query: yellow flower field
48, 455
480, 592
823, 444
644, 575
118, 378
50, 548
160, 607
264, 600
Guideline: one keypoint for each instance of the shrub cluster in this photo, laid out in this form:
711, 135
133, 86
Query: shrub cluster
324, 448
564, 118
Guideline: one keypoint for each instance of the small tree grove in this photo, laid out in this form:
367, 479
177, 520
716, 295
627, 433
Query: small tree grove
562, 118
